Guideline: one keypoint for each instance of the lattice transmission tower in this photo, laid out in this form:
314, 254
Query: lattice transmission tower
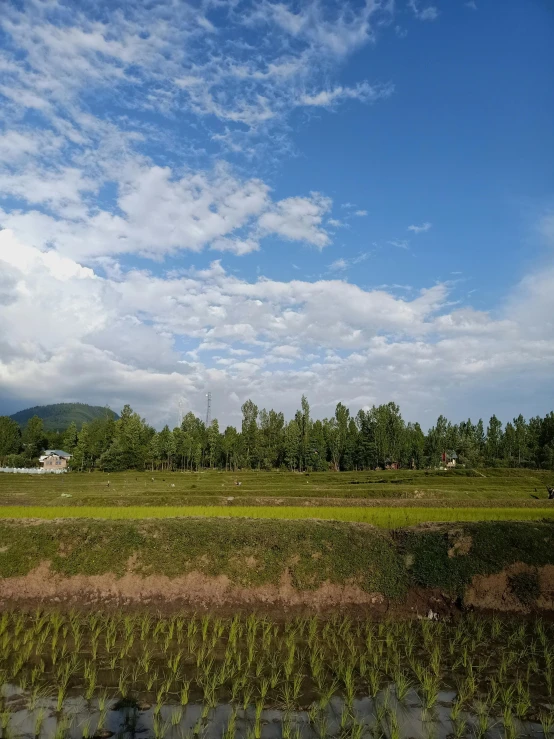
208, 409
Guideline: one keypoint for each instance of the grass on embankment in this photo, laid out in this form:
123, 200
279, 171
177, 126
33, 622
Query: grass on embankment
259, 552
385, 517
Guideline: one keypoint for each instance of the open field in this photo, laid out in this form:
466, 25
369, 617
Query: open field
497, 487
383, 516
84, 675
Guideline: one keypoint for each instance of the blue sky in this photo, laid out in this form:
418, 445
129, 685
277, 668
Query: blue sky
355, 201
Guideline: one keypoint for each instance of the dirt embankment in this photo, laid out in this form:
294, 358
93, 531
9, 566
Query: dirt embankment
303, 566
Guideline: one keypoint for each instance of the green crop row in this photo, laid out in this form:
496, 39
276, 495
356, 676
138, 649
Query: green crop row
384, 517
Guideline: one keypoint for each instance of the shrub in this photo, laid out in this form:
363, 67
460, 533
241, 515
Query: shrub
525, 586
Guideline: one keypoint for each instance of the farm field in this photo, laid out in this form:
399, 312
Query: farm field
98, 675
382, 516
496, 487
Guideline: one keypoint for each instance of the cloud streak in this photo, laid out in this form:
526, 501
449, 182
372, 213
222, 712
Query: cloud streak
420, 229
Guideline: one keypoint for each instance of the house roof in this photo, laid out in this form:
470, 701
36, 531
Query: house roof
57, 452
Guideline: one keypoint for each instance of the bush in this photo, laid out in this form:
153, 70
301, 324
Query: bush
525, 586
16, 460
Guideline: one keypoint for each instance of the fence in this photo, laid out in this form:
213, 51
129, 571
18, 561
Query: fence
32, 470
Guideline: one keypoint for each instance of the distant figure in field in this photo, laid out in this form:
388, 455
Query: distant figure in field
550, 493
152, 479
108, 483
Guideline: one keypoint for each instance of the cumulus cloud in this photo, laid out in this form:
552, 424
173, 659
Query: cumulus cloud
126, 339
86, 182
298, 219
156, 213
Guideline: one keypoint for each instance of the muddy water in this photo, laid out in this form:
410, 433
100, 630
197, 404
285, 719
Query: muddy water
381, 717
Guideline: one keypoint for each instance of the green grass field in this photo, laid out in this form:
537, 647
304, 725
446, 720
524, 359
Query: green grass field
385, 517
391, 499
422, 487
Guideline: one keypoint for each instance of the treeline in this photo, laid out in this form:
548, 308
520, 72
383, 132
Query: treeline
377, 438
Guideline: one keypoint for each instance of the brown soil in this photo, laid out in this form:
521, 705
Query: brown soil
492, 592
197, 591
460, 543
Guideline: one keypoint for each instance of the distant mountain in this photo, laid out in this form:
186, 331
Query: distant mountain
58, 416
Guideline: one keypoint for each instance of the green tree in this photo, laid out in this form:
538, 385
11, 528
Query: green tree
305, 429
154, 452
130, 445
494, 436
166, 447
69, 441
340, 436
414, 445
10, 438
82, 457
317, 455
292, 445
34, 438
250, 432
522, 451
230, 443
213, 443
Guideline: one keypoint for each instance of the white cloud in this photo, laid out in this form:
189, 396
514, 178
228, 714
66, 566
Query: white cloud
429, 13
399, 243
298, 219
339, 265
164, 57
420, 229
471, 4
121, 341
546, 228
361, 213
235, 246
158, 213
337, 34
363, 92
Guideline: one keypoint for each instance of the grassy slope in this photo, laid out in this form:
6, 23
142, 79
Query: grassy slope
58, 416
254, 552
498, 487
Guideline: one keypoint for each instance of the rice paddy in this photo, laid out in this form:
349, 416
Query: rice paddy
496, 487
384, 517
95, 674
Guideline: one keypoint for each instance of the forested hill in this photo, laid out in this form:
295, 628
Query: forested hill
58, 416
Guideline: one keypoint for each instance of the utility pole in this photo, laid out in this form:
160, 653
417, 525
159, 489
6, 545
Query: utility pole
180, 412
208, 409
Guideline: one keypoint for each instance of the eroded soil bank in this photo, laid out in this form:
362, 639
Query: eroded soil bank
308, 566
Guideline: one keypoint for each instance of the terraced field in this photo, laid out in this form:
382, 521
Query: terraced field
421, 488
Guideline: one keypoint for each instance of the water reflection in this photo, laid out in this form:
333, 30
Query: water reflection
381, 717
